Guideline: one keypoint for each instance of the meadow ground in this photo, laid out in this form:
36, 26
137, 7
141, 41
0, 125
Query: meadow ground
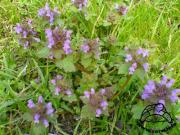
153, 23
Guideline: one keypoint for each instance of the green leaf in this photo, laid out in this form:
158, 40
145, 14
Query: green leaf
70, 99
123, 69
86, 112
67, 64
140, 73
43, 53
27, 116
86, 62
38, 129
137, 110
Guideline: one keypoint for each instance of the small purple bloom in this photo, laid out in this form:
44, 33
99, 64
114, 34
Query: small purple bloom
98, 112
57, 90
92, 91
170, 83
49, 109
85, 48
26, 44
174, 95
45, 122
59, 77
41, 12
145, 96
128, 58
132, 68
68, 92
103, 91
31, 104
146, 67
18, 28
164, 80
104, 104
53, 81
86, 94
40, 99
66, 47
145, 53
36, 118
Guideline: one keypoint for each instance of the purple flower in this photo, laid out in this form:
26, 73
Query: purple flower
92, 91
68, 92
164, 80
66, 46
150, 86
121, 9
18, 28
36, 118
57, 90
26, 44
40, 99
128, 58
98, 112
103, 91
49, 35
49, 109
132, 68
146, 67
104, 104
170, 83
148, 90
59, 77
80, 3
174, 95
85, 48
86, 94
47, 13
31, 104
140, 51
53, 81
45, 122
145, 53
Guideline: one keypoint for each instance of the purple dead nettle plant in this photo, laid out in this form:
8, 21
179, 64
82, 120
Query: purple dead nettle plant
48, 14
160, 92
137, 58
91, 46
122, 10
26, 34
60, 86
59, 39
41, 111
80, 3
96, 101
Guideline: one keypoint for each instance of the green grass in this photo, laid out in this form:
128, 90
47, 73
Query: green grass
155, 23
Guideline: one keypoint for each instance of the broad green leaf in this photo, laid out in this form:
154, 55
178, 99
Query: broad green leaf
87, 113
123, 69
67, 64
43, 53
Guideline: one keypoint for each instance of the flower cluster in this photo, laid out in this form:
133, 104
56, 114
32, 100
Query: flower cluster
91, 46
80, 3
26, 33
122, 10
41, 111
96, 101
48, 14
60, 86
137, 58
59, 39
160, 92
